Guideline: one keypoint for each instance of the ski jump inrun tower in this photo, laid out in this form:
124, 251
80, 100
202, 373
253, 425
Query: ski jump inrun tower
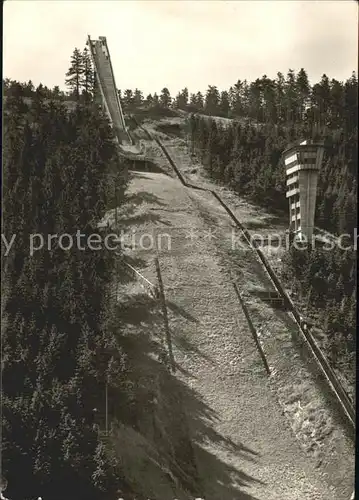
302, 164
106, 91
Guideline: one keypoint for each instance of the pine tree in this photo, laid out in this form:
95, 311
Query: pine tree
255, 101
196, 102
224, 104
165, 98
280, 90
268, 96
237, 98
75, 73
212, 100
29, 89
149, 100
127, 98
291, 103
87, 77
181, 101
137, 97
56, 93
155, 100
303, 89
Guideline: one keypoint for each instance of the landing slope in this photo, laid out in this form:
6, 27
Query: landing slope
248, 450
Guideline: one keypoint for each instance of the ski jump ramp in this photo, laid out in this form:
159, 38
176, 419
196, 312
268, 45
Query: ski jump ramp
107, 93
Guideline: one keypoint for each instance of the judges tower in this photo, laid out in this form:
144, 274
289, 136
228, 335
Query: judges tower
302, 164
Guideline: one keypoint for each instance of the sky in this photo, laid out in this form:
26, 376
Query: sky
182, 43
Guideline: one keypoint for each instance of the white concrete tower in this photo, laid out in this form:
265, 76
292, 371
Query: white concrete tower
302, 164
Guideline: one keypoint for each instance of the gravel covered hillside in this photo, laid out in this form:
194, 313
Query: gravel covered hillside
246, 430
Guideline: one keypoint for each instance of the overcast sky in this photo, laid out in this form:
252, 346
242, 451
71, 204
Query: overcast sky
182, 43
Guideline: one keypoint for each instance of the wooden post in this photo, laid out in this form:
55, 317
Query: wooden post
116, 257
2, 479
165, 316
252, 329
116, 217
106, 408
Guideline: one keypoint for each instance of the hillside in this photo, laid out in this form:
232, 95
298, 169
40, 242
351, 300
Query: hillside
322, 282
301, 451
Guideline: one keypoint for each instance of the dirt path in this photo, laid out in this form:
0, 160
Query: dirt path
248, 450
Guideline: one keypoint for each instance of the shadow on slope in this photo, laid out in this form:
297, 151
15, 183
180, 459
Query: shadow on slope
267, 221
168, 423
162, 435
170, 129
143, 197
144, 165
140, 219
182, 312
132, 214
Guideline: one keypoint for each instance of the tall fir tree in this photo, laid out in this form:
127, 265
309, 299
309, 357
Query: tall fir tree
75, 73
87, 77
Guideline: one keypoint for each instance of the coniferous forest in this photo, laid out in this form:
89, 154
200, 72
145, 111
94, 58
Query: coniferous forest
60, 346
57, 346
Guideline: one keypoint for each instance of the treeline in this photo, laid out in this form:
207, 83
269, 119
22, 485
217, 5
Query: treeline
27, 89
156, 105
281, 100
